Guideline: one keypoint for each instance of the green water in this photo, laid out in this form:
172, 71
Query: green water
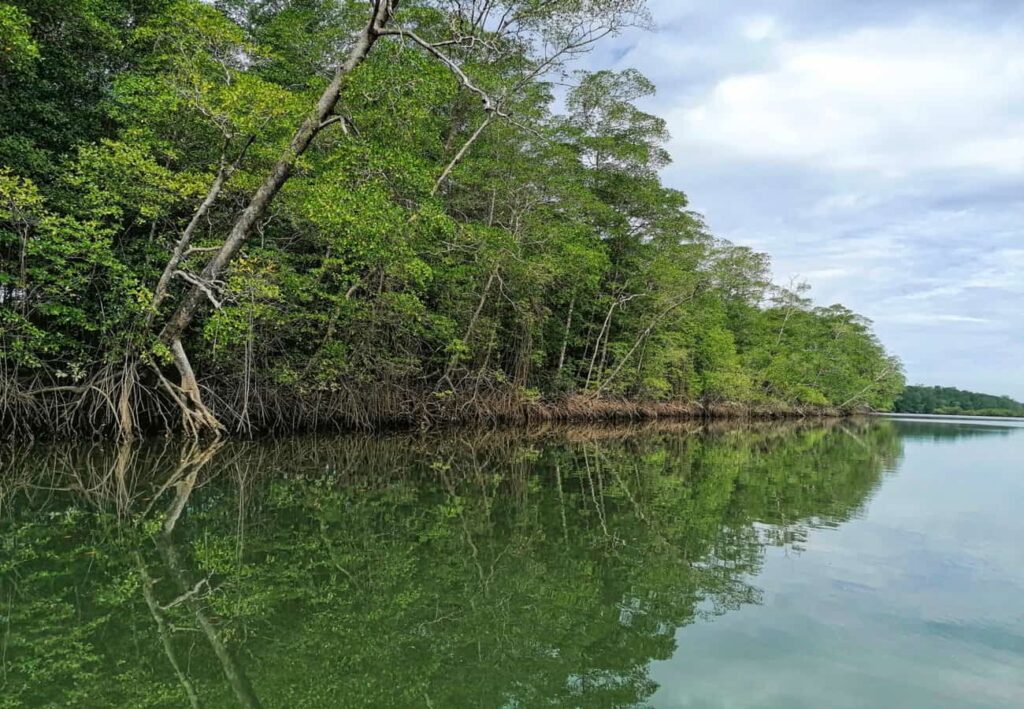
856, 564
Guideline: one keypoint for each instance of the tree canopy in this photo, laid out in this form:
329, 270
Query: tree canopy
248, 215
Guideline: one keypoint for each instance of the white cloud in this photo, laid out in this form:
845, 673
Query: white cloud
933, 319
827, 274
1001, 271
844, 202
758, 28
887, 100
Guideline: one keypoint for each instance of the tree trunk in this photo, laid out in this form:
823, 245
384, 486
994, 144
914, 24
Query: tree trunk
565, 338
181, 248
196, 417
182, 318
125, 410
597, 344
23, 268
453, 360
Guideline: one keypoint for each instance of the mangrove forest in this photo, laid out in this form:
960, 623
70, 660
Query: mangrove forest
249, 216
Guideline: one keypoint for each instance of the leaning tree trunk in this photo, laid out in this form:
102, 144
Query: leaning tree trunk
197, 417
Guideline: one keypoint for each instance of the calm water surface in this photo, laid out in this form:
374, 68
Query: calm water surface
856, 564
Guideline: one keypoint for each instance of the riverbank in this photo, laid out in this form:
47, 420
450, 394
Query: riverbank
89, 412
952, 417
583, 408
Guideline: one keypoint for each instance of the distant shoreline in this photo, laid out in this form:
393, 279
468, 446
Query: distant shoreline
951, 417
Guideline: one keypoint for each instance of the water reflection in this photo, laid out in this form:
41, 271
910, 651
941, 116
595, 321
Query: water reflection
953, 430
503, 569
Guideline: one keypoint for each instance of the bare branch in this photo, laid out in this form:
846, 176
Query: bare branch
194, 591
201, 285
199, 250
461, 153
488, 102
342, 120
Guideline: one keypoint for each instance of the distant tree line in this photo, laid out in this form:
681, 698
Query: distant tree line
948, 400
249, 215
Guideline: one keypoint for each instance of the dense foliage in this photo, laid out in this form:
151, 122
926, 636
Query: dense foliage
186, 242
399, 572
948, 400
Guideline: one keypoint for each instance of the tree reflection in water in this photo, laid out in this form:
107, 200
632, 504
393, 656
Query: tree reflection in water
501, 569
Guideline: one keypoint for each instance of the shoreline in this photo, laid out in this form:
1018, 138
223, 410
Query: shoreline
289, 416
973, 418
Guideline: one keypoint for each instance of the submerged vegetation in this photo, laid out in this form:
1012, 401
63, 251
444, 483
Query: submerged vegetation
248, 215
948, 400
513, 569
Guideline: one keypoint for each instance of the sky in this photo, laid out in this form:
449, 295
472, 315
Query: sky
873, 148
